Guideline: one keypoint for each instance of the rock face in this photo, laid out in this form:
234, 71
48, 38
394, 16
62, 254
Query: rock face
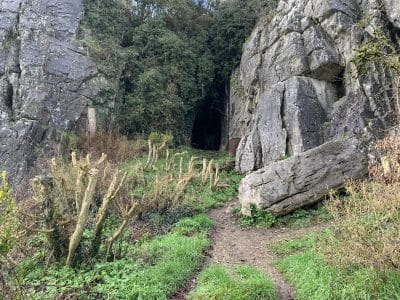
298, 87
46, 80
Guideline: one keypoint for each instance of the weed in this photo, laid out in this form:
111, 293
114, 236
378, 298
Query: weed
190, 226
117, 147
258, 218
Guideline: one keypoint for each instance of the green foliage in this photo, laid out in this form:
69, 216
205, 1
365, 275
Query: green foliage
240, 283
315, 278
159, 138
8, 225
198, 224
305, 217
164, 59
378, 49
289, 247
154, 269
258, 218
155, 58
297, 219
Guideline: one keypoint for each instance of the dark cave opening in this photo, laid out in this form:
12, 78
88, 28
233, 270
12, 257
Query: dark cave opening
206, 132
340, 84
8, 101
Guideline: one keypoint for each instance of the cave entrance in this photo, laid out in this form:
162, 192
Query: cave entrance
206, 132
8, 101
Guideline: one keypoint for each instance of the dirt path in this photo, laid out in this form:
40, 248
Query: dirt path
234, 245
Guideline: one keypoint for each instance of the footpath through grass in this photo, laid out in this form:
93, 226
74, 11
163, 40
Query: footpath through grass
157, 254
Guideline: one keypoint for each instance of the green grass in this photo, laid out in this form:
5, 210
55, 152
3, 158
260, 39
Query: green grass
153, 270
240, 283
315, 278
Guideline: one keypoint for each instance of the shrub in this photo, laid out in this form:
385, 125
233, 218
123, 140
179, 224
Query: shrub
76, 197
155, 269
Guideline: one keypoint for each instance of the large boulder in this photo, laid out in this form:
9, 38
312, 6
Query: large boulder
298, 85
46, 79
302, 179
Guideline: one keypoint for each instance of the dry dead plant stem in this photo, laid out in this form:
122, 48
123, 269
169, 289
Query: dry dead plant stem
214, 179
112, 192
83, 215
180, 169
127, 216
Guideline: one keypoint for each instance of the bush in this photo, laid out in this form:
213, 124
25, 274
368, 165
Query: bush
74, 198
173, 199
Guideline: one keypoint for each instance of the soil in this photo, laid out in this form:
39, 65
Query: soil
234, 245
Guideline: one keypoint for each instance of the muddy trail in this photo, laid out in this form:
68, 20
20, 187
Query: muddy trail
234, 245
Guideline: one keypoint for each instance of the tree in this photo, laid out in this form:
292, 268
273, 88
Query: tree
165, 59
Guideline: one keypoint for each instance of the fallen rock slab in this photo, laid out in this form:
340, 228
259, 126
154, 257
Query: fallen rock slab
303, 179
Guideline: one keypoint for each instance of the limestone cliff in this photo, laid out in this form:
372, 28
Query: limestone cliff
46, 80
299, 86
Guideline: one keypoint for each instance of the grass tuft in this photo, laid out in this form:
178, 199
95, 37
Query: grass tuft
240, 283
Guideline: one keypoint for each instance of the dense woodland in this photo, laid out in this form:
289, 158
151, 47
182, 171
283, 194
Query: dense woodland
168, 62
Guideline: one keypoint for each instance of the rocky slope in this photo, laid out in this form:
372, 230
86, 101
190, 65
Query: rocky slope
46, 79
303, 82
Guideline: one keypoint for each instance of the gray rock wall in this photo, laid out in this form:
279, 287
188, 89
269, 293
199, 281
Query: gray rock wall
299, 84
46, 79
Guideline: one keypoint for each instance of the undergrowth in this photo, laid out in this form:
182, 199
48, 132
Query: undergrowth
161, 247
152, 269
300, 218
239, 283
